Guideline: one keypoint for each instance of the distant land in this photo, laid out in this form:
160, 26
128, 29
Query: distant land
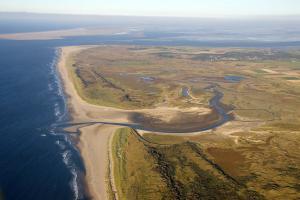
277, 30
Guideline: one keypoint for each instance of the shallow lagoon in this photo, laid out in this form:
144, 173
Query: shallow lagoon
234, 78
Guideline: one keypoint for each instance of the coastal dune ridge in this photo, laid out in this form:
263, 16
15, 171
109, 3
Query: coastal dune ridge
93, 140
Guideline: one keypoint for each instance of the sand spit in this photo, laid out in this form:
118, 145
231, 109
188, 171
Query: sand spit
59, 34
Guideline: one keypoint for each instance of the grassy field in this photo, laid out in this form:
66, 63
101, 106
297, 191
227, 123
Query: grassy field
134, 169
146, 170
254, 156
261, 84
265, 160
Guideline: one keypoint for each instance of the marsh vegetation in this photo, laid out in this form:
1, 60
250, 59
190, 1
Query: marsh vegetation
255, 155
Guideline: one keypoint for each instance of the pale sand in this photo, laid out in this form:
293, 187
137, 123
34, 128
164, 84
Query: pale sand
84, 111
94, 139
59, 34
270, 71
294, 81
93, 145
80, 109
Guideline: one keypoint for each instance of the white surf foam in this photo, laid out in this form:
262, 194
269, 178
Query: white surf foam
74, 184
60, 112
61, 145
66, 157
55, 86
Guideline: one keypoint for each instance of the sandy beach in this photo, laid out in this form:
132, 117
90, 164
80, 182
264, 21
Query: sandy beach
94, 139
94, 145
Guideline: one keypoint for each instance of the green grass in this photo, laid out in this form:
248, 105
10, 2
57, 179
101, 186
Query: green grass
134, 169
99, 94
126, 64
180, 171
189, 171
120, 172
291, 78
268, 149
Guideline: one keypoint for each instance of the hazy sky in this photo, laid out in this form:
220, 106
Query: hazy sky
199, 8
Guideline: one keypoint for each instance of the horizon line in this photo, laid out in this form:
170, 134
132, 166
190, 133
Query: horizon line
154, 16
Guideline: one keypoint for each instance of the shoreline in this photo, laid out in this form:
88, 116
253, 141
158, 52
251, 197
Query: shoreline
93, 142
94, 139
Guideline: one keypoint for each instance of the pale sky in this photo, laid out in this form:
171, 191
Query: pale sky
193, 8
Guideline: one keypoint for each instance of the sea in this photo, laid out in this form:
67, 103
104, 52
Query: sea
39, 161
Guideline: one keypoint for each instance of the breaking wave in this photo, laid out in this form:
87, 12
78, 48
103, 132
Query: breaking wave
63, 141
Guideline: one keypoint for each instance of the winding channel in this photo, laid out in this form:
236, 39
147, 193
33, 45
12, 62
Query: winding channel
214, 103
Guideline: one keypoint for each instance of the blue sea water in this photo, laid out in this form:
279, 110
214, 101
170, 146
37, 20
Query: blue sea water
233, 78
36, 161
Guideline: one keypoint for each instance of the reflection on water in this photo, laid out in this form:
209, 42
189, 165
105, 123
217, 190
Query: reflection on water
234, 78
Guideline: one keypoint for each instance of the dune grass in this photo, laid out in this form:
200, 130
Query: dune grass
134, 169
180, 171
